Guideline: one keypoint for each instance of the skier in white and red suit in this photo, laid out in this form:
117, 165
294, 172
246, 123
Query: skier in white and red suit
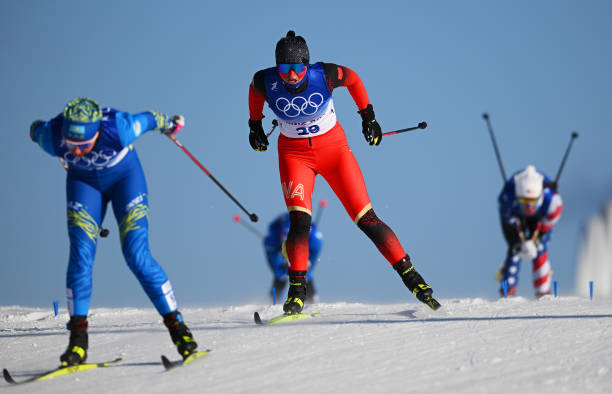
312, 142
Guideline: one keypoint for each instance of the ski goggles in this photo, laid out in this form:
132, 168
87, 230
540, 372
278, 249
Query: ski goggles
83, 145
525, 200
284, 68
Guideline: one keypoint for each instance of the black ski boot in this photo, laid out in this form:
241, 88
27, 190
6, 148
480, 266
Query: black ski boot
76, 353
180, 334
297, 293
415, 283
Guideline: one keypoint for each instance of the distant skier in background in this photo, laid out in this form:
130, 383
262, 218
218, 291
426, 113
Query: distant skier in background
313, 142
102, 166
528, 210
274, 246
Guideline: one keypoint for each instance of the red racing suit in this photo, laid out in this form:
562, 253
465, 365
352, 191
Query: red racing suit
312, 142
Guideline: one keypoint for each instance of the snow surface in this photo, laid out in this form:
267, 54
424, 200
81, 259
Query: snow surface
552, 345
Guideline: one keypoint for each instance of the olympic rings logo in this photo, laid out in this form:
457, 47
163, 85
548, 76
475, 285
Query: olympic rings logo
93, 159
300, 105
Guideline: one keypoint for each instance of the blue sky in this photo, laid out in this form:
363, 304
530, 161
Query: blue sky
540, 69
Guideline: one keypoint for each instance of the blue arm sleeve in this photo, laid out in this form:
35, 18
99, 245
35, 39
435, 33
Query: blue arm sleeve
130, 127
505, 201
42, 134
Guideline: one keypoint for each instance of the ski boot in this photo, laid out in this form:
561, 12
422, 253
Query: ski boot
180, 334
415, 283
297, 293
510, 292
76, 353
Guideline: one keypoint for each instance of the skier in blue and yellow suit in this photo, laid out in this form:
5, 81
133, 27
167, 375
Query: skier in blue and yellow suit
276, 254
95, 146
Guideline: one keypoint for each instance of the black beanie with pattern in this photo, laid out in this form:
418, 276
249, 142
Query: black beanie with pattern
292, 49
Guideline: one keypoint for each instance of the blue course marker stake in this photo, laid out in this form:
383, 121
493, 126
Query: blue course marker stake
505, 286
555, 288
591, 289
55, 307
274, 296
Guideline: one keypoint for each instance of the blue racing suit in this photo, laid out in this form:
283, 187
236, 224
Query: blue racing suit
111, 172
273, 242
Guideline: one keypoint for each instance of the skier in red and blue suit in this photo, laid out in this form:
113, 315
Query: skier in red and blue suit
96, 148
529, 207
312, 142
274, 242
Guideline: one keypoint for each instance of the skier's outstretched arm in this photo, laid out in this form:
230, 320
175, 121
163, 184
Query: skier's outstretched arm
337, 76
552, 216
257, 96
132, 126
41, 132
343, 76
257, 99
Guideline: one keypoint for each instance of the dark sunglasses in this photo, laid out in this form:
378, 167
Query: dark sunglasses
284, 68
81, 144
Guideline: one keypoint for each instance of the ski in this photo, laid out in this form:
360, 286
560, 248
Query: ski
283, 318
432, 303
174, 364
60, 371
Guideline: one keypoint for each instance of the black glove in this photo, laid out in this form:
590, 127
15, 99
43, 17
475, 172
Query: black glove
257, 136
371, 128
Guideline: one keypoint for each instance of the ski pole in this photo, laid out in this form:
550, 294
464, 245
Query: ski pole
421, 125
247, 225
274, 124
251, 216
569, 146
322, 204
499, 161
103, 231
521, 233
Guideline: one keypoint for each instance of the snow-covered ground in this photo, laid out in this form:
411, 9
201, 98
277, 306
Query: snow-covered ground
553, 345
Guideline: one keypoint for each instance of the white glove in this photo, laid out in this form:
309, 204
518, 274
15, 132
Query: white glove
529, 250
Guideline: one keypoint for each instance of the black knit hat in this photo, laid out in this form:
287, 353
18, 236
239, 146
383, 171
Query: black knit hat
292, 49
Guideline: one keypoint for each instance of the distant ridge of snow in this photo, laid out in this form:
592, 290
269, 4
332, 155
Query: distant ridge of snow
595, 256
